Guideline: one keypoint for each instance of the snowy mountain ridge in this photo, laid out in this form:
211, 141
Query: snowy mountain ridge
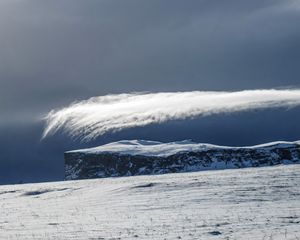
141, 157
155, 148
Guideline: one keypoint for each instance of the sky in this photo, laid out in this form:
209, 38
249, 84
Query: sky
53, 53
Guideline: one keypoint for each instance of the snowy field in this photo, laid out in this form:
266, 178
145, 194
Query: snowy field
253, 203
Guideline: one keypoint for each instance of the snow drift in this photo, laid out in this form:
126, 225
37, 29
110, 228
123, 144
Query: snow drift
253, 203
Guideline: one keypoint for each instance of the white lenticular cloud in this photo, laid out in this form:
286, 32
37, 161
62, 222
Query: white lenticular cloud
99, 115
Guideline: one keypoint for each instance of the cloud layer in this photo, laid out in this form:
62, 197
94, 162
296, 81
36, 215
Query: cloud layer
96, 116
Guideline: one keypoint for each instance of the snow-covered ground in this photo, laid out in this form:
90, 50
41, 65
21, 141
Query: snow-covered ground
253, 203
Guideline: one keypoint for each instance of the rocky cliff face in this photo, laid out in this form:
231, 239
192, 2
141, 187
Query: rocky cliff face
129, 158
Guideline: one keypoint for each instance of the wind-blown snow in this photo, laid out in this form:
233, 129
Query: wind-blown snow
154, 148
254, 203
99, 115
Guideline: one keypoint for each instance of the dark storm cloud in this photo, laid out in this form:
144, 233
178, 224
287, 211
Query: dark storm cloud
55, 52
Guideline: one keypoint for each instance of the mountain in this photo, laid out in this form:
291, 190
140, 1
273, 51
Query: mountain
141, 157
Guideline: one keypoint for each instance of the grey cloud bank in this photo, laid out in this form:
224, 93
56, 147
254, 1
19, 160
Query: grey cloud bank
61, 50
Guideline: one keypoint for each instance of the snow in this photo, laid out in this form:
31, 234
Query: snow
253, 203
154, 148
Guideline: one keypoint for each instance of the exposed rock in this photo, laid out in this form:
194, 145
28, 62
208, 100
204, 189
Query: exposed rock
129, 158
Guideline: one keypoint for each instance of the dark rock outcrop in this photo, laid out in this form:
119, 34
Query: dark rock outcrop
84, 164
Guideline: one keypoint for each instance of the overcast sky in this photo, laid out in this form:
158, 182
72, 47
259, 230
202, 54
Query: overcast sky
55, 52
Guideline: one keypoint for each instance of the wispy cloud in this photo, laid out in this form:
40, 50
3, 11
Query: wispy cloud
99, 115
